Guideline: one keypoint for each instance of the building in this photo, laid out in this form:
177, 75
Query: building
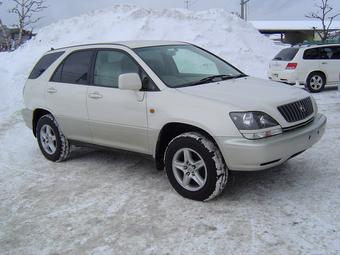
293, 32
10, 36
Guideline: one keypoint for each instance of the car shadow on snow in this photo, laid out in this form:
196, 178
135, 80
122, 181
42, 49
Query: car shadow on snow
284, 179
241, 185
326, 88
114, 161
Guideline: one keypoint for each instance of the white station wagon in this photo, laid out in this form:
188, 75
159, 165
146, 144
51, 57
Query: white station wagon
197, 115
313, 66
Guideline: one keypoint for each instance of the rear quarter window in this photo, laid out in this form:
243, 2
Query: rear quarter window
44, 63
286, 54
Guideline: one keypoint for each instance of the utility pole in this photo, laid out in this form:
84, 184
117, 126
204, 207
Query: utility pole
244, 9
187, 3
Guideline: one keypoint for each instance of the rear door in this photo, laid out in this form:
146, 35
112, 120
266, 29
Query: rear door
117, 118
310, 62
66, 94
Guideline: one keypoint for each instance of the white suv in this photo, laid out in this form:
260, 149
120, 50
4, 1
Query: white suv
197, 115
313, 65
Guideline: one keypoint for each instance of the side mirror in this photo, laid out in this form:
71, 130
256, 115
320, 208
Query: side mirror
129, 81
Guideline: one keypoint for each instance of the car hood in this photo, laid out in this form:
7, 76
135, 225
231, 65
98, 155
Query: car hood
248, 93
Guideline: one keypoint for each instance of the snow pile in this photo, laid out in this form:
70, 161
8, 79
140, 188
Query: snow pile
217, 30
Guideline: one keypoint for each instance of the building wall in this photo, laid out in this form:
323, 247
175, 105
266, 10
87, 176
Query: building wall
296, 37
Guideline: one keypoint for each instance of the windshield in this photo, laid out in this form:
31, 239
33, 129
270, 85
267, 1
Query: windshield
186, 65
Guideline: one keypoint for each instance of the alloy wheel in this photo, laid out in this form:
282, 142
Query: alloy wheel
48, 139
316, 82
189, 169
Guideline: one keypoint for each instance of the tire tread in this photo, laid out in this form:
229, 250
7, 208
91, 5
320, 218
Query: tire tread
221, 168
64, 142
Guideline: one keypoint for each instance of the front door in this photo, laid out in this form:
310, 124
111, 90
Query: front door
117, 118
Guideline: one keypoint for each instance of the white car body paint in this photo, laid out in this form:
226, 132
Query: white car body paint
122, 118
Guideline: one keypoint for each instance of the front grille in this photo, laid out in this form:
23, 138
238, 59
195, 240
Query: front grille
297, 111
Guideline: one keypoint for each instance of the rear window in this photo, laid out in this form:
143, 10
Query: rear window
44, 63
286, 54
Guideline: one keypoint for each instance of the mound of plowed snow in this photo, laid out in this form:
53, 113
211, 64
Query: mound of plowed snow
217, 30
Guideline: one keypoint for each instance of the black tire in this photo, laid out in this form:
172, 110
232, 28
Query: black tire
316, 82
62, 146
215, 170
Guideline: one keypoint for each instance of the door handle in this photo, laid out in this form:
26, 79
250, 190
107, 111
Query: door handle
324, 63
51, 90
95, 95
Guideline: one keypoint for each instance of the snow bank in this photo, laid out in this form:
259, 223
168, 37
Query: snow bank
217, 30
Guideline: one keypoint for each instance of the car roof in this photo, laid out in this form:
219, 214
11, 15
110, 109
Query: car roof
130, 44
305, 46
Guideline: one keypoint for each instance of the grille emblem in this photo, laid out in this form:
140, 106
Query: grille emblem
302, 108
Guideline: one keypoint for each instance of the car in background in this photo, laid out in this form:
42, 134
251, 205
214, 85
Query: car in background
311, 65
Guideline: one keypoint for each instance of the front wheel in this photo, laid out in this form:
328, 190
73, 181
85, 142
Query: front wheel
195, 167
316, 82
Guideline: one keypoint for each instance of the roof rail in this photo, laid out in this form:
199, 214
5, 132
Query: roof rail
310, 43
88, 44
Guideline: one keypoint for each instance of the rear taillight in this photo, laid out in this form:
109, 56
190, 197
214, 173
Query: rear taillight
291, 66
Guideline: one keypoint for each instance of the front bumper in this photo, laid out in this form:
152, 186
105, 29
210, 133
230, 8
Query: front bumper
241, 154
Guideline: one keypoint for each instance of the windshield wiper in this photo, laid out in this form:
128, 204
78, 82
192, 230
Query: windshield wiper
220, 77
240, 76
213, 78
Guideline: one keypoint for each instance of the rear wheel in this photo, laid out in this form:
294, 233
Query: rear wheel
52, 142
195, 167
316, 82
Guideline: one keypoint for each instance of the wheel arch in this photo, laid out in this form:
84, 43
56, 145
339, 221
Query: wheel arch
168, 132
37, 114
317, 71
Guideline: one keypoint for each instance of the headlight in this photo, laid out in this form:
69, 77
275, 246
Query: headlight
255, 125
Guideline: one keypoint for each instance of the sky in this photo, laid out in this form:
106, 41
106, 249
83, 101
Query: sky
257, 9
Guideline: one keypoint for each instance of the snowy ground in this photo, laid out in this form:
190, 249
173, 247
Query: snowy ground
102, 202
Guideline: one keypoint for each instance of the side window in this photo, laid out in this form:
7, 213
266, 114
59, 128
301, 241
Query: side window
326, 53
109, 65
75, 68
336, 52
311, 54
147, 83
187, 62
44, 63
